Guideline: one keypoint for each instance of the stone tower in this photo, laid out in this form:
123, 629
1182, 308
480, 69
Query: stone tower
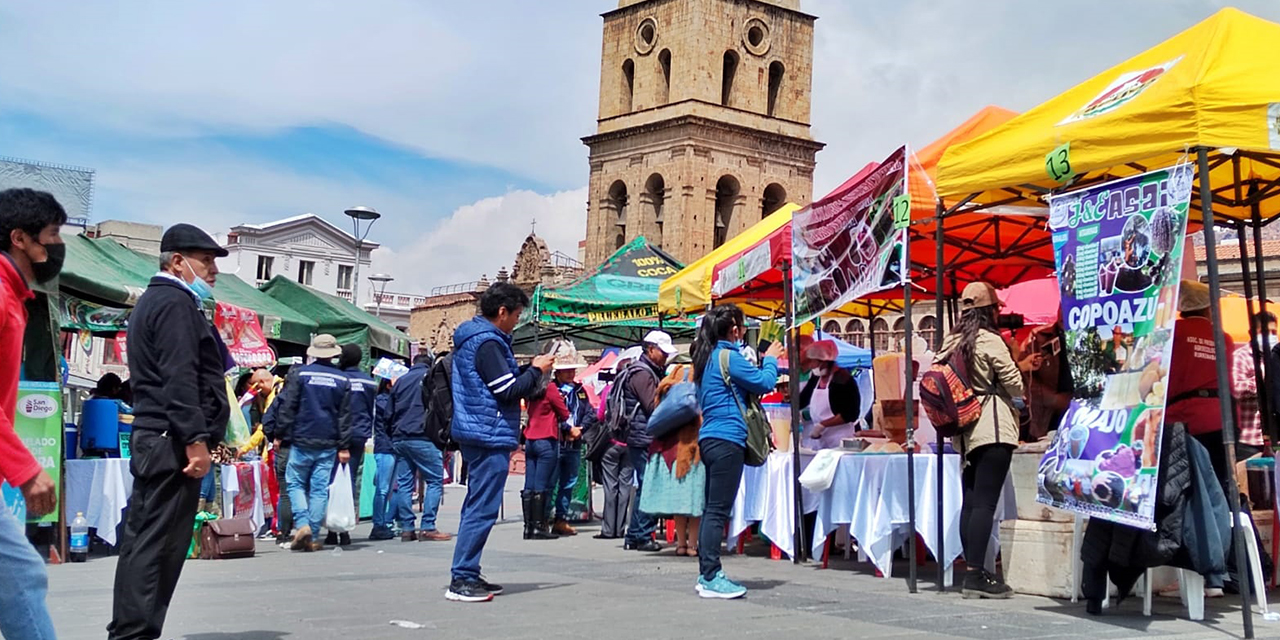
704, 122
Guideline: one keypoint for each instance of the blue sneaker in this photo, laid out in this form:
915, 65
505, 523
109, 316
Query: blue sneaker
720, 587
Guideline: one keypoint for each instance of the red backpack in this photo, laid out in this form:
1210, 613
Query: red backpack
948, 398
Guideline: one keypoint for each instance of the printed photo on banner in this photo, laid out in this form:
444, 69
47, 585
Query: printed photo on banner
1118, 248
847, 245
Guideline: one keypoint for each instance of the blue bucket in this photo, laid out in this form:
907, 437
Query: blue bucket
100, 426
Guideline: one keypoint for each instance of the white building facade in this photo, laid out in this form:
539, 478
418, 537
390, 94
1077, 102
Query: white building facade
306, 249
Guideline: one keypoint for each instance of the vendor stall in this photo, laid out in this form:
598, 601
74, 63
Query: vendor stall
340, 318
1205, 96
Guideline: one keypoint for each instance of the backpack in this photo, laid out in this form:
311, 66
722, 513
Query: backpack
948, 398
437, 401
597, 440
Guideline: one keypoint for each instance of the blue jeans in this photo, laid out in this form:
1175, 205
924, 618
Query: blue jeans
570, 461
208, 486
421, 456
486, 479
308, 477
23, 614
642, 524
541, 464
382, 477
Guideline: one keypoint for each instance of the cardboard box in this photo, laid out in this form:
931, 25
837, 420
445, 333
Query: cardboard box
1024, 469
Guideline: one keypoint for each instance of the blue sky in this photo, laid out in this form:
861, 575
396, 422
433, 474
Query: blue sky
462, 121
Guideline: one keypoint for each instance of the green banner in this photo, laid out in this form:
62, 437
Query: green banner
38, 423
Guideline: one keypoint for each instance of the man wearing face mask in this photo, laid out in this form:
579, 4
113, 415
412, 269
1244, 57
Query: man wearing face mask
31, 249
176, 365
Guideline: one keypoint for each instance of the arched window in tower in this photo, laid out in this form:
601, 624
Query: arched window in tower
776, 71
730, 70
857, 333
655, 191
664, 61
727, 189
928, 328
618, 204
881, 340
774, 196
628, 84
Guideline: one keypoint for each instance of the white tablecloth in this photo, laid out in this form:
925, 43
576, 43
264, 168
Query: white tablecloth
231, 488
869, 494
767, 495
100, 490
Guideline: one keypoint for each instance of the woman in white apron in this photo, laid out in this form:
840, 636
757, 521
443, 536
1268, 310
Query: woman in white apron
830, 400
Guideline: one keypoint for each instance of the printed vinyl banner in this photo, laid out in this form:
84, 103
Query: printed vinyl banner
38, 423
243, 336
1118, 248
846, 245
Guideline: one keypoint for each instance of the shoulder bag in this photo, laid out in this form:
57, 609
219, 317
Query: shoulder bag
759, 431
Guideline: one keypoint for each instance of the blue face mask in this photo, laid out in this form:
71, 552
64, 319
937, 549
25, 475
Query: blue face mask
199, 286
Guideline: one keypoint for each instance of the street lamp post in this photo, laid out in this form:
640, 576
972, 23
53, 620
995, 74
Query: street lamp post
379, 282
360, 215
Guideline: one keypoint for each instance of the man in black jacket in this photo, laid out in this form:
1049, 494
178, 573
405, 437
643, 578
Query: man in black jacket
176, 367
315, 414
641, 397
415, 453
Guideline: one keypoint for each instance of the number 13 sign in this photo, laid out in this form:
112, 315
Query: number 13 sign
1057, 163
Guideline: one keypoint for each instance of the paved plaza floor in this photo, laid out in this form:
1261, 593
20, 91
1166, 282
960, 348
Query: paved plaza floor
584, 588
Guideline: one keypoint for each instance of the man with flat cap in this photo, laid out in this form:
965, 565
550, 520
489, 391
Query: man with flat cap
176, 367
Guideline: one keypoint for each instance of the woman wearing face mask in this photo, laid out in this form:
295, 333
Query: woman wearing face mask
722, 439
830, 398
986, 450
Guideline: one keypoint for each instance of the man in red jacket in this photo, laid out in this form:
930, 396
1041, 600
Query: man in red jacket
30, 249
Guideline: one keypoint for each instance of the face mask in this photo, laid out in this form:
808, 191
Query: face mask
1270, 341
821, 371
45, 271
198, 285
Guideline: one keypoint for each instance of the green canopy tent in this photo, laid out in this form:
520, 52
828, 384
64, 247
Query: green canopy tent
614, 304
340, 318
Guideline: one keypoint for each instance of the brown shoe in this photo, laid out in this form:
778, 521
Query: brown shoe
434, 536
563, 528
409, 536
315, 546
301, 539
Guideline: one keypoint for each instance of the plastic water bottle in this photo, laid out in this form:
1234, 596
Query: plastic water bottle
79, 538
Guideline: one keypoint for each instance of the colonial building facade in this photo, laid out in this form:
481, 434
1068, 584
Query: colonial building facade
305, 248
703, 122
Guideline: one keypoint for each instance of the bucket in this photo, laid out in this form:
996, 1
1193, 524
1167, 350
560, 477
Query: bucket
1261, 478
70, 437
100, 426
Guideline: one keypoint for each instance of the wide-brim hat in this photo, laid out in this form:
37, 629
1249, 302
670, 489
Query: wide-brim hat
566, 356
1193, 295
324, 346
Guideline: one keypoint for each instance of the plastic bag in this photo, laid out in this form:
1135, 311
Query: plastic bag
237, 427
340, 517
821, 472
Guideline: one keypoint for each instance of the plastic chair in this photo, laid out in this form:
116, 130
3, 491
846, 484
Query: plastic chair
1191, 584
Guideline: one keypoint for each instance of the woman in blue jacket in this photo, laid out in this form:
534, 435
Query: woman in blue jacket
723, 436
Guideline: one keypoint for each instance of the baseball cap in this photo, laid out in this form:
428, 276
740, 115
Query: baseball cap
187, 237
978, 295
324, 346
661, 340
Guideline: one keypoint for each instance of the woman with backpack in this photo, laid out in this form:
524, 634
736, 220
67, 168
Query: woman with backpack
986, 449
722, 438
675, 479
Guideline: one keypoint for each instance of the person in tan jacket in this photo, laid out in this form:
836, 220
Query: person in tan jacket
987, 449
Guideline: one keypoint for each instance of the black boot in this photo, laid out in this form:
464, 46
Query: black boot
540, 529
526, 504
980, 584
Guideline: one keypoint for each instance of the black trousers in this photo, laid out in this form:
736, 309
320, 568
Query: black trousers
157, 536
983, 480
724, 462
284, 510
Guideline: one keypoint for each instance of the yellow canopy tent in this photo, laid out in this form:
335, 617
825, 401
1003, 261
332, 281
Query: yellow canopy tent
1215, 85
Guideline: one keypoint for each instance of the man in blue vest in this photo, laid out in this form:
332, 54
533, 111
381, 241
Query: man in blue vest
315, 414
487, 389
415, 452
363, 392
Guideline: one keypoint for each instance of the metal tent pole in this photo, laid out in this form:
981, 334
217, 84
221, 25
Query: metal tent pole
1269, 426
1224, 389
937, 341
793, 390
909, 394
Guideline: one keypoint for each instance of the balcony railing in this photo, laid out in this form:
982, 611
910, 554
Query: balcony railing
345, 294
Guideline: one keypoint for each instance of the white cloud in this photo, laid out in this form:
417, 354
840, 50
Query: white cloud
480, 238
